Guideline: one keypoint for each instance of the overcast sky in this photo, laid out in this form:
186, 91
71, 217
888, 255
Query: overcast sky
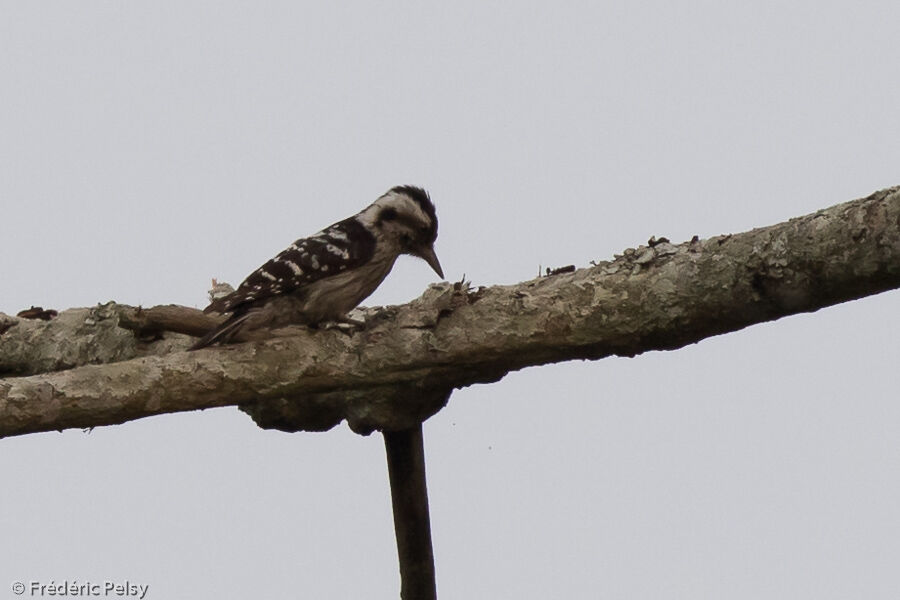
146, 147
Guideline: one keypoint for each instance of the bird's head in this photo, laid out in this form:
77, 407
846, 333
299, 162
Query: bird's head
404, 216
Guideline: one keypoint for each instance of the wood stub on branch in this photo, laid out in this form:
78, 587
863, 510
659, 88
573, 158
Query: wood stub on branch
658, 296
158, 319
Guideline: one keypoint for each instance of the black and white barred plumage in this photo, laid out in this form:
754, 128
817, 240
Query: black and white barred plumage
323, 277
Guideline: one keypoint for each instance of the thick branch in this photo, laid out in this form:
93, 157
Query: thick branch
654, 297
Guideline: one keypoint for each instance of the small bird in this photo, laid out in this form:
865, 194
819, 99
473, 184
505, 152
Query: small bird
323, 277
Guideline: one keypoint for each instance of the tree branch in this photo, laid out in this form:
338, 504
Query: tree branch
402, 367
412, 524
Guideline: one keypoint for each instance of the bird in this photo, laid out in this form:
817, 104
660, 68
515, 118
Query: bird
322, 277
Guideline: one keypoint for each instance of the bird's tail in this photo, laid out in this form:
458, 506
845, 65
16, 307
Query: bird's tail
223, 333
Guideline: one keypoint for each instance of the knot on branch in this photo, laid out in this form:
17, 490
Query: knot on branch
391, 407
6, 322
365, 410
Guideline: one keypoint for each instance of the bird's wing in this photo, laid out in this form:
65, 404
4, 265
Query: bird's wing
338, 248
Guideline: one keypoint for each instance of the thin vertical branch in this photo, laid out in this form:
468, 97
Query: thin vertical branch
412, 525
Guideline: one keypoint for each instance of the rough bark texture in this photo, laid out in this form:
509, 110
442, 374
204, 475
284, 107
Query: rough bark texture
402, 367
83, 336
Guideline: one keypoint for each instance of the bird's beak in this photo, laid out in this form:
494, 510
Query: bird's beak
427, 254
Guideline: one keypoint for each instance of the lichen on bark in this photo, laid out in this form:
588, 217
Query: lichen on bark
82, 369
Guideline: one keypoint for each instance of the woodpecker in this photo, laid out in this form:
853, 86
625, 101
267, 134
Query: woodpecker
322, 277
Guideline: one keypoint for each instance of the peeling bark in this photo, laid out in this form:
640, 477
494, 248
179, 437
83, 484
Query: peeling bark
402, 367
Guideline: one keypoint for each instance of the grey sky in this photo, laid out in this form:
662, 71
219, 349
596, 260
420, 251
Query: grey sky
146, 147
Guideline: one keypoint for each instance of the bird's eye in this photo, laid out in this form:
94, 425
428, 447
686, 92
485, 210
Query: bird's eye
388, 214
